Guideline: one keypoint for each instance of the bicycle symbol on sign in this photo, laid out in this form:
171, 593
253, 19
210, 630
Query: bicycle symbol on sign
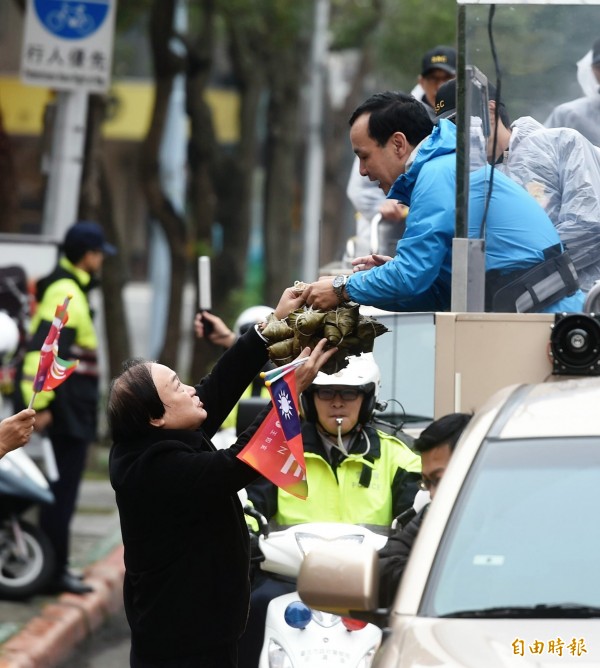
72, 18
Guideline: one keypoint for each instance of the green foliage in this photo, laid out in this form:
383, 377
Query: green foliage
278, 20
536, 60
130, 14
348, 20
404, 31
408, 30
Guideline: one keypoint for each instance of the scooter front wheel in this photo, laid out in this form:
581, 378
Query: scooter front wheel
23, 575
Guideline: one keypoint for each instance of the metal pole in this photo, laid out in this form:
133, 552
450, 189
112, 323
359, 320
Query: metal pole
313, 194
468, 255
64, 179
463, 112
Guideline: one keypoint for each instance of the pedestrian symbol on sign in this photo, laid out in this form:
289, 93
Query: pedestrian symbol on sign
71, 19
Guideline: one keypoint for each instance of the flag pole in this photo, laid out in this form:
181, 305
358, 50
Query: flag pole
63, 313
272, 379
285, 367
65, 305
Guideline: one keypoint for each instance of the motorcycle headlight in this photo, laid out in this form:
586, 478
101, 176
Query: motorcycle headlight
278, 657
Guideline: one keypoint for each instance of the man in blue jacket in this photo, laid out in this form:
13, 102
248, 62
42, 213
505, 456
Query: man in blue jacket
415, 163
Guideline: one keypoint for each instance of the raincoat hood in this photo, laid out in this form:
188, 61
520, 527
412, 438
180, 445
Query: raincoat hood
521, 129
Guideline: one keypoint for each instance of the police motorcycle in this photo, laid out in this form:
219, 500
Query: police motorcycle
26, 555
295, 635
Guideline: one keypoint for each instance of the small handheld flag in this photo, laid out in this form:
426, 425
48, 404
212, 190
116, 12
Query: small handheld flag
52, 371
276, 449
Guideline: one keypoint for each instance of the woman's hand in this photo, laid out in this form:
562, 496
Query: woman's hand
290, 300
307, 372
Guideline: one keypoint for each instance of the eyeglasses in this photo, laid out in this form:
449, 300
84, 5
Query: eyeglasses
427, 485
328, 393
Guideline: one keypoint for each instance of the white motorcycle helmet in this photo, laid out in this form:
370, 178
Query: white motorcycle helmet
362, 372
250, 317
9, 336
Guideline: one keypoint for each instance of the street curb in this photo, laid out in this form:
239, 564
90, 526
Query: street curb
49, 638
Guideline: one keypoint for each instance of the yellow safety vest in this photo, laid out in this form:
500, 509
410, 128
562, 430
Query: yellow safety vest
344, 498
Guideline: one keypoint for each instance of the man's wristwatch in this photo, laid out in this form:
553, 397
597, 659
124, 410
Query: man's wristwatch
338, 285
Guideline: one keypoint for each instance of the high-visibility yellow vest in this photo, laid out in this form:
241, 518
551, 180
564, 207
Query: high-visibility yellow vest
343, 496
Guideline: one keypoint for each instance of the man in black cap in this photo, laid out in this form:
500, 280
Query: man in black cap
437, 67
582, 114
68, 413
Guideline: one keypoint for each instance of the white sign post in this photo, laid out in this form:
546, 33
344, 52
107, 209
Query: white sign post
67, 46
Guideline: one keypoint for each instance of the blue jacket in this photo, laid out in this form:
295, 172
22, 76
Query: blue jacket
418, 278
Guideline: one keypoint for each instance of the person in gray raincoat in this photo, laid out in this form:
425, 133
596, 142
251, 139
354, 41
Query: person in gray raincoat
582, 114
559, 167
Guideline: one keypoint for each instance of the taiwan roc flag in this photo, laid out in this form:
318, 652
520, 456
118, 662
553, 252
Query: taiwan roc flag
52, 371
276, 450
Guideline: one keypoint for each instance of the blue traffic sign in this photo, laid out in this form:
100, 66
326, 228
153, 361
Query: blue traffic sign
72, 19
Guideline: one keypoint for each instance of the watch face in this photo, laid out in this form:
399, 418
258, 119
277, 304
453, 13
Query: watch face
338, 281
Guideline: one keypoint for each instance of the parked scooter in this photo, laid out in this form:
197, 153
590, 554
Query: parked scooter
295, 635
26, 555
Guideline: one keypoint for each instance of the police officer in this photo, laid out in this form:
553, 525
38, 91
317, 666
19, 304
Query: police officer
68, 413
357, 474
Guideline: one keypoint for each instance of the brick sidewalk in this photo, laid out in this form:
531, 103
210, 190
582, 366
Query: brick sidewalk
43, 632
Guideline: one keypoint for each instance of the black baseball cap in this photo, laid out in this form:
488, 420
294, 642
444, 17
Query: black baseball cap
445, 100
86, 235
439, 58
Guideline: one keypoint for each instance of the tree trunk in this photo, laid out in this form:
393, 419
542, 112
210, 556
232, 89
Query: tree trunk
96, 203
9, 202
202, 155
236, 170
281, 210
9, 193
338, 215
166, 66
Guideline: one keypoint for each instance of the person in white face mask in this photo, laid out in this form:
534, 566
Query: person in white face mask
355, 473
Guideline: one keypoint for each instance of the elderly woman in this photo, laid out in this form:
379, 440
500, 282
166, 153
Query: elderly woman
187, 587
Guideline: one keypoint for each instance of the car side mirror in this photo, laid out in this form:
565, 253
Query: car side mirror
343, 583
